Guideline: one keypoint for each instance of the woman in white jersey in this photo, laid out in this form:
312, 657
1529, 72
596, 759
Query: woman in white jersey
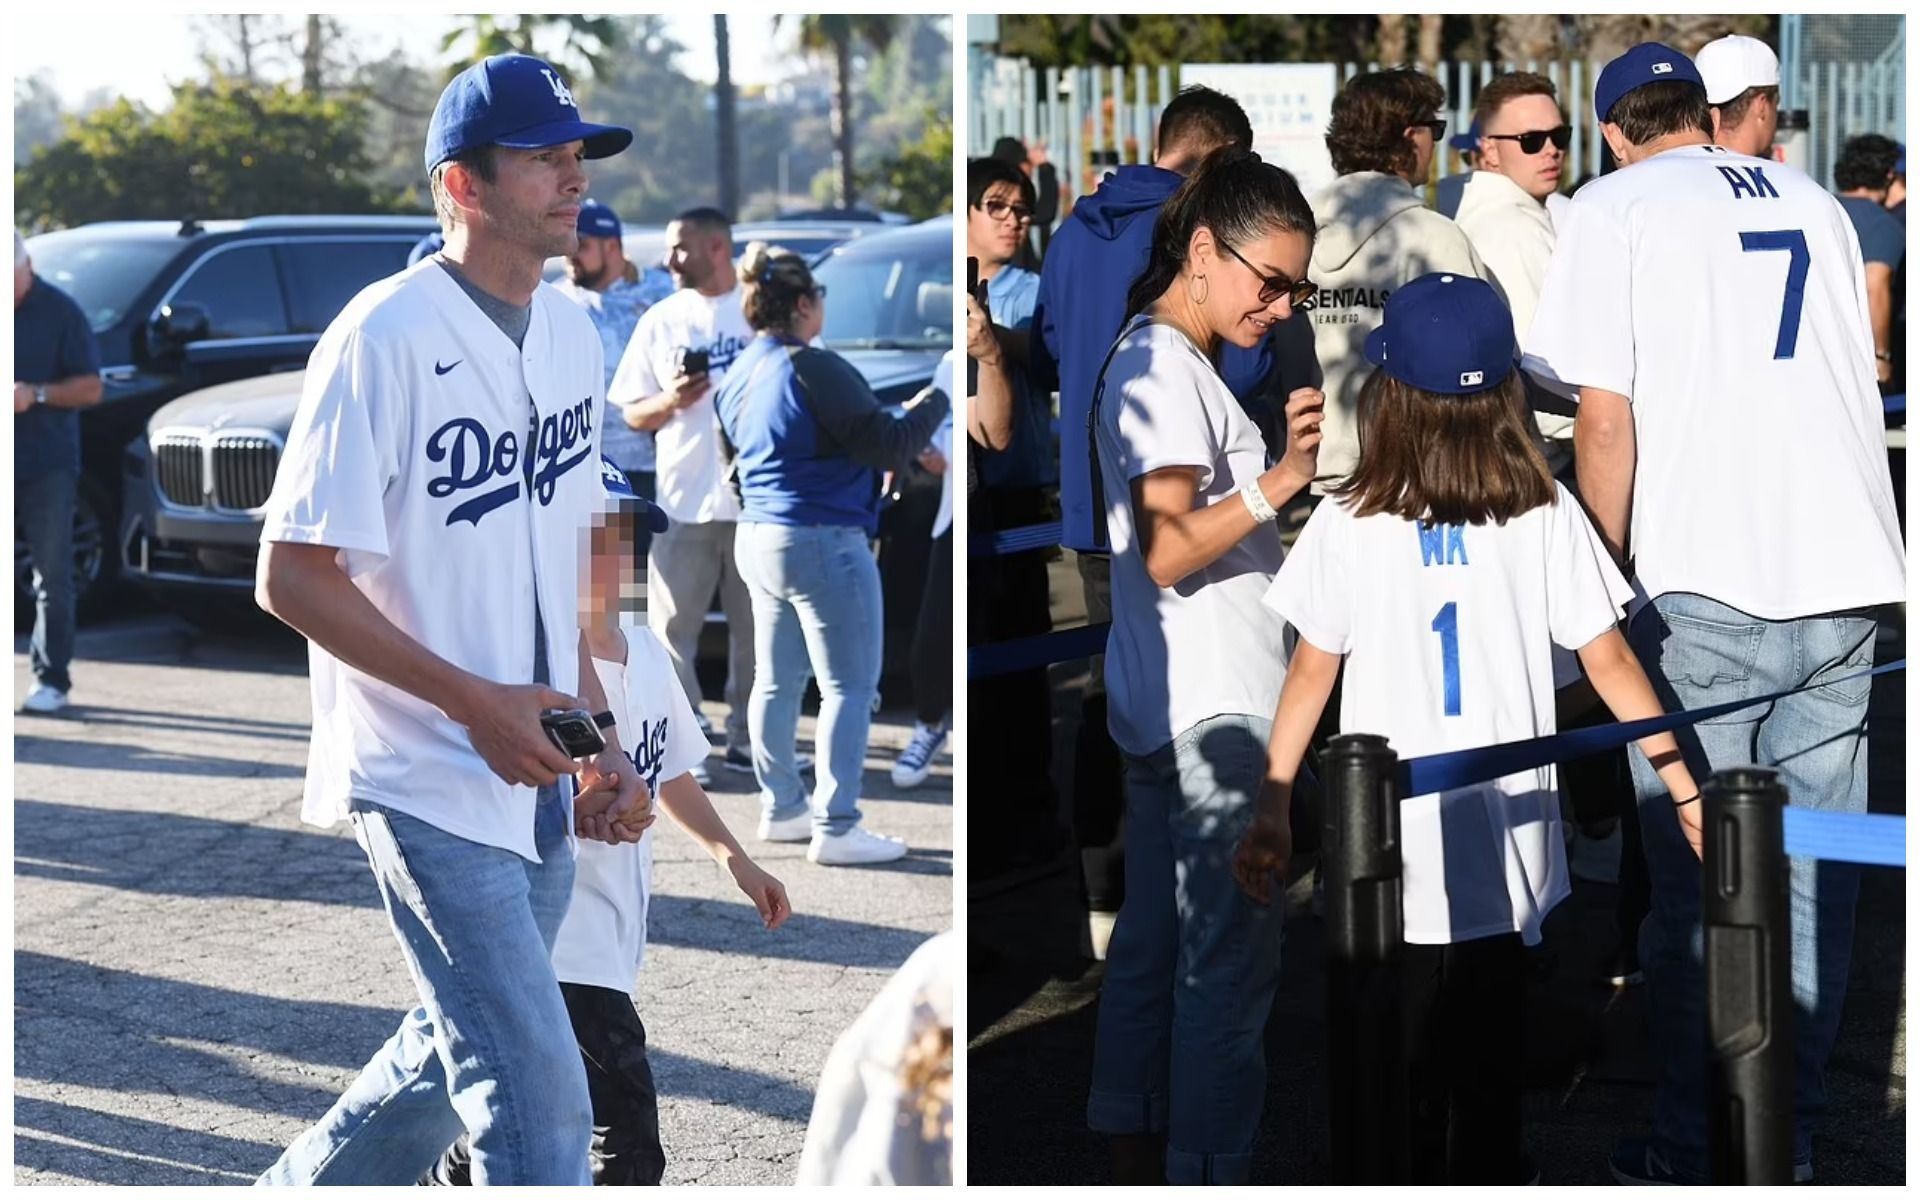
1194, 664
1444, 570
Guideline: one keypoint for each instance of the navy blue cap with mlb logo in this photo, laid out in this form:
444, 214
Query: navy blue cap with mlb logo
597, 220
1649, 62
517, 101
1450, 334
622, 498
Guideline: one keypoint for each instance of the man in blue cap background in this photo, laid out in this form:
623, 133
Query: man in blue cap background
424, 535
1709, 311
614, 293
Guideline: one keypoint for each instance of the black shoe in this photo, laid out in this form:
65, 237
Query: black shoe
1624, 970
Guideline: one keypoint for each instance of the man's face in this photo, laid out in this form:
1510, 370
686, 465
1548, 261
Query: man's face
1538, 174
534, 199
1422, 138
590, 265
695, 255
997, 226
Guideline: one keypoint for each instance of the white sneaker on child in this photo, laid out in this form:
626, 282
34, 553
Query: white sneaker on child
855, 847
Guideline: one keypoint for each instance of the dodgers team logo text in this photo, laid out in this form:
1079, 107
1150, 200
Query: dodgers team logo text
475, 459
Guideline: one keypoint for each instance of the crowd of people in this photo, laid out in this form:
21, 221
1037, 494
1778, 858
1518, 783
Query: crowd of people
504, 696
1568, 460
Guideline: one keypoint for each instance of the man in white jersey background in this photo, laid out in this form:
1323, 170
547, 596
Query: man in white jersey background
423, 534
1711, 312
1742, 78
663, 393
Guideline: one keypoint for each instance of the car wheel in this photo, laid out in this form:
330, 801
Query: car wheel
95, 568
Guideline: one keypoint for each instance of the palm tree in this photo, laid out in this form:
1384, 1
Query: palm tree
821, 34
589, 41
723, 118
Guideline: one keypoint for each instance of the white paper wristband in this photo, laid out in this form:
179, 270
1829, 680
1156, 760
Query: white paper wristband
1256, 502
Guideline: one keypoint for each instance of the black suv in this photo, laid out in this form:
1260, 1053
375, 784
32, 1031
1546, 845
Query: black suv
178, 306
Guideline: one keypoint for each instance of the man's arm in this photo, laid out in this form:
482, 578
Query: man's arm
648, 413
990, 410
1880, 312
305, 586
1604, 457
75, 391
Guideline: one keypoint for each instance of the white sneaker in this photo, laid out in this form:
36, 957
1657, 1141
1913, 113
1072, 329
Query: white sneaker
787, 829
45, 699
853, 847
916, 761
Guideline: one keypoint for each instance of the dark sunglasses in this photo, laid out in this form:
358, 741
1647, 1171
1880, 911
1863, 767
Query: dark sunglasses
1530, 143
1437, 128
1299, 293
819, 291
1000, 208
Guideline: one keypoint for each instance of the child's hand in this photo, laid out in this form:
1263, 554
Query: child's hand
1263, 853
768, 894
1691, 825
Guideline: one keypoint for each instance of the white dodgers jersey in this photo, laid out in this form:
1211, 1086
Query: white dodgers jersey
1725, 297
456, 472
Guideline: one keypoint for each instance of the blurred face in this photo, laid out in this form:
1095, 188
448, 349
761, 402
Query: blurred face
699, 258
997, 226
1537, 173
614, 582
1248, 287
595, 264
1423, 138
533, 202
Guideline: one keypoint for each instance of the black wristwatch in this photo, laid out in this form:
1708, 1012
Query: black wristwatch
604, 719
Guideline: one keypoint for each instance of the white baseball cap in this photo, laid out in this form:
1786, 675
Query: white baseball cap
1732, 64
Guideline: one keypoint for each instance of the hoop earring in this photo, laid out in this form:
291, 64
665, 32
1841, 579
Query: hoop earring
1205, 290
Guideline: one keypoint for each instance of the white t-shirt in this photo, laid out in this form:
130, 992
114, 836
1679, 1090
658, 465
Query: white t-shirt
1724, 295
1205, 647
688, 476
943, 442
1446, 632
1513, 235
414, 452
603, 940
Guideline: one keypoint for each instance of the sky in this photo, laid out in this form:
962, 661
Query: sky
136, 53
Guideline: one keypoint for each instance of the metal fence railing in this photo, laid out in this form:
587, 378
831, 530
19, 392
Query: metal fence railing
1092, 118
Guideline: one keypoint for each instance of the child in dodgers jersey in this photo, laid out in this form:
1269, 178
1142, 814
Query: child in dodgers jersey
602, 942
1443, 571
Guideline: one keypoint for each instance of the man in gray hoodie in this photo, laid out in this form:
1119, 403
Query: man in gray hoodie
1375, 234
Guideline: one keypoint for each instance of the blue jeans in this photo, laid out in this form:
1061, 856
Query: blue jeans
1193, 963
490, 1049
43, 509
816, 611
1699, 652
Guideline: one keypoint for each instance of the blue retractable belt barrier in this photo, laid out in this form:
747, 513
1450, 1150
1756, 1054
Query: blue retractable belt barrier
1897, 404
1014, 541
1874, 839
1024, 654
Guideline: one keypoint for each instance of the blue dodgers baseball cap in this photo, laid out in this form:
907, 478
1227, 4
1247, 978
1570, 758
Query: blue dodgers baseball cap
621, 496
1649, 62
1450, 334
1468, 142
597, 220
517, 101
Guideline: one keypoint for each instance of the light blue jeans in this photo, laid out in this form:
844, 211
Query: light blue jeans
816, 612
490, 1049
1699, 652
1193, 963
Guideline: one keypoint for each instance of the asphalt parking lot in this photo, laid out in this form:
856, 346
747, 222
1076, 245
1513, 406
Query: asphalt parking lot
197, 975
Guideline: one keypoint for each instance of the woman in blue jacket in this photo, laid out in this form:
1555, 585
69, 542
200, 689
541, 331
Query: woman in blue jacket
809, 442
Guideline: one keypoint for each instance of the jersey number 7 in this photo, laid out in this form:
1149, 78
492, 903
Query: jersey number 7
1795, 244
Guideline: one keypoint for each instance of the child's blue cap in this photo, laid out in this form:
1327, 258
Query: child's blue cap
517, 101
1649, 62
1450, 334
622, 498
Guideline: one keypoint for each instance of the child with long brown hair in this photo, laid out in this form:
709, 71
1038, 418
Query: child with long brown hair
1442, 571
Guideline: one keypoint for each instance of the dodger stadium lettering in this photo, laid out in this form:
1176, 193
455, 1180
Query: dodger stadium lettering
475, 459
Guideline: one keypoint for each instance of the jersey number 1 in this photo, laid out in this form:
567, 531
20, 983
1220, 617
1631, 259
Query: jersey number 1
1447, 625
1795, 244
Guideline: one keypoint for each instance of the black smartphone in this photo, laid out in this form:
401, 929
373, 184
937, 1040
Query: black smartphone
573, 730
973, 289
694, 362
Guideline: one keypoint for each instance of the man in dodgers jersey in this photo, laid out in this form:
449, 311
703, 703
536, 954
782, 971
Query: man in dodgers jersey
423, 534
658, 393
1710, 311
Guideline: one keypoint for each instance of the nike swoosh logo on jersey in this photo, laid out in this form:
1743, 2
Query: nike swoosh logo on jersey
440, 370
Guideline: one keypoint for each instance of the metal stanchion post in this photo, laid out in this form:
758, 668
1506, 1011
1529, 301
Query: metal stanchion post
1366, 1062
1749, 984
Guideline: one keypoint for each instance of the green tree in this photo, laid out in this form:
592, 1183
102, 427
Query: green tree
588, 45
221, 150
918, 180
837, 35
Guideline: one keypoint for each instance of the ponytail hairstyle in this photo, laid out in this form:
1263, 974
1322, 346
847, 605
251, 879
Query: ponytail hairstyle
1232, 193
772, 282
